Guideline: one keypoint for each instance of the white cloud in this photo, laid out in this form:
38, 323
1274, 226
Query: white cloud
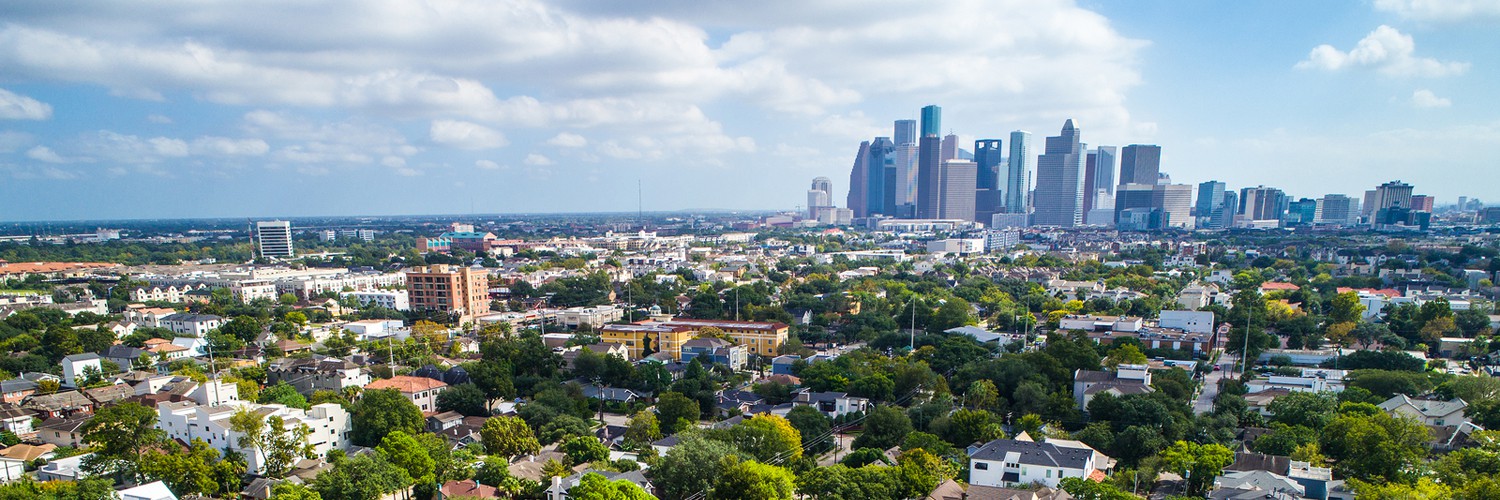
44, 153
537, 160
159, 119
1385, 50
15, 106
568, 140
1425, 99
466, 135
224, 146
1441, 10
11, 141
487, 165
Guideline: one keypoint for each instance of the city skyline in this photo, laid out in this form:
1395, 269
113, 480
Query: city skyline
185, 110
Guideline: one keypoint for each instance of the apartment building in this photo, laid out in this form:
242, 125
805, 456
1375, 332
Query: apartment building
456, 289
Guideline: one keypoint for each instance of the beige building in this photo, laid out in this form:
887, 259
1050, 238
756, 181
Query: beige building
455, 289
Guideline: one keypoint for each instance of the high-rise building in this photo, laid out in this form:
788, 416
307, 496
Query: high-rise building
1261, 206
1210, 197
906, 178
950, 148
905, 132
1018, 168
957, 186
1098, 177
1367, 210
987, 155
463, 291
882, 156
820, 195
1140, 164
1132, 197
274, 238
929, 177
1422, 202
1391, 195
1223, 216
1302, 212
932, 120
1336, 209
1059, 180
1176, 202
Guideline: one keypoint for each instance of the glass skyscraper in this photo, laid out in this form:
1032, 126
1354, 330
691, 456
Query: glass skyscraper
1140, 164
932, 120
1017, 184
1059, 180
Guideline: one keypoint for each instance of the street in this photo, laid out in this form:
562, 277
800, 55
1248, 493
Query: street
1205, 401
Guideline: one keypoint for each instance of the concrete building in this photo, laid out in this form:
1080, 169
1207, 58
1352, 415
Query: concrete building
328, 426
390, 299
1140, 164
195, 325
422, 391
463, 291
274, 238
957, 183
1008, 462
1126, 379
1059, 180
76, 366
597, 316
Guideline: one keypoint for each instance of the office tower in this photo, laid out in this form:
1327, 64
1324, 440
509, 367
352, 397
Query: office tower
929, 177
950, 148
906, 178
906, 132
882, 154
1140, 164
820, 195
1131, 199
1422, 202
1223, 216
932, 120
1210, 196
1302, 212
1059, 180
274, 238
1018, 168
957, 187
888, 197
1104, 168
1261, 206
1463, 203
1393, 195
1367, 210
1336, 209
989, 197
460, 290
1176, 203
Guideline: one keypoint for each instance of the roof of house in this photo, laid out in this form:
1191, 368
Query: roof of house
1427, 407
63, 424
1247, 461
27, 452
109, 393
59, 401
1032, 453
469, 488
74, 358
406, 384
192, 318
17, 385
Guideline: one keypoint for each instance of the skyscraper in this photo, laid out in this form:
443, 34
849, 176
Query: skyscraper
1223, 216
882, 155
932, 120
1059, 180
820, 195
1261, 206
906, 132
929, 177
1394, 196
1336, 209
274, 238
1017, 184
1140, 164
957, 187
1210, 196
950, 148
1104, 168
1422, 202
987, 155
906, 178
1132, 198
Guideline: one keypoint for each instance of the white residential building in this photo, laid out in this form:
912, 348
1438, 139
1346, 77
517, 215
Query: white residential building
1007, 462
194, 325
598, 316
74, 365
328, 425
390, 299
1429, 412
1201, 322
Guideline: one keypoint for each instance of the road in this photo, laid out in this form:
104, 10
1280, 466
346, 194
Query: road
1205, 402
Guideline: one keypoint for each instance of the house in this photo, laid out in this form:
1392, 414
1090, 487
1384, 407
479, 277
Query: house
611, 394
62, 404
782, 365
1126, 379
465, 433
16, 421
75, 368
952, 490
28, 453
422, 391
605, 348
731, 402
832, 404
985, 336
108, 394
64, 469
468, 488
1428, 412
1008, 462
1257, 484
715, 350
317, 373
189, 324
443, 421
148, 316
125, 356
16, 390
62, 431
328, 425
11, 469
1310, 380
149, 491
560, 485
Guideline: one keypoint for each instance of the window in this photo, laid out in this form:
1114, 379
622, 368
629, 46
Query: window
982, 465
1049, 473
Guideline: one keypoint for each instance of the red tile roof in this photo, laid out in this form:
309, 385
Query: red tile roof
406, 384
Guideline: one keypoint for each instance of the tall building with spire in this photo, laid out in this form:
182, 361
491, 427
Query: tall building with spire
1140, 164
1018, 170
1059, 180
820, 195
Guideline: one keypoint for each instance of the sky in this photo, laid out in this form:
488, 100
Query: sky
194, 108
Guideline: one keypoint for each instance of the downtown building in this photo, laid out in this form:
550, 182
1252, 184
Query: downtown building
1059, 180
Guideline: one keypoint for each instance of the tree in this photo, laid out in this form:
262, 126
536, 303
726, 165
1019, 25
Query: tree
467, 399
594, 486
768, 438
674, 407
875, 386
885, 426
562, 427
1126, 354
1307, 409
195, 471
360, 478
284, 394
383, 411
405, 452
275, 446
1284, 439
508, 437
583, 450
1200, 464
751, 480
244, 328
690, 467
969, 426
293, 491
119, 435
981, 394
814, 428
1425, 489
643, 429
495, 378
1086, 489
1374, 446
1345, 308
955, 312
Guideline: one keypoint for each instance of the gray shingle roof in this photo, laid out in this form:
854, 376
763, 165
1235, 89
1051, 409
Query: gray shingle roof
1032, 453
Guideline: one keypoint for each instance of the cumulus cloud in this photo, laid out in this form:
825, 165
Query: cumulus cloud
487, 165
159, 119
46, 154
1441, 10
1425, 99
15, 106
537, 160
568, 140
466, 135
1386, 50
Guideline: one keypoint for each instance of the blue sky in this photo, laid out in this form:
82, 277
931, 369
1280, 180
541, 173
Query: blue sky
284, 108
